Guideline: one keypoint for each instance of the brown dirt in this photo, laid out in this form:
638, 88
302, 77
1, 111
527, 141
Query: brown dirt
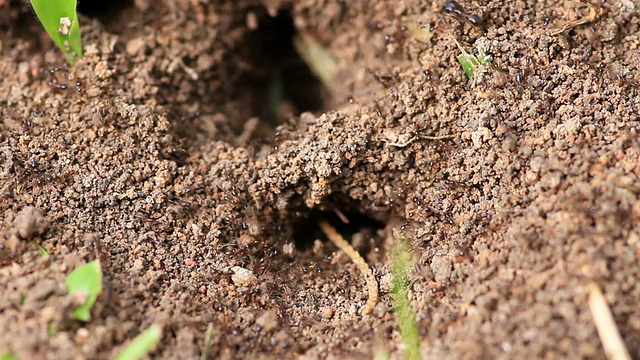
144, 155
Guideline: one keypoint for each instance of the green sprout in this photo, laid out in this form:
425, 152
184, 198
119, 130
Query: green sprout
43, 252
85, 280
52, 329
7, 356
60, 19
142, 344
401, 260
470, 62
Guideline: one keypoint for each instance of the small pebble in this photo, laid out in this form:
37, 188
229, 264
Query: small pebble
82, 335
243, 277
288, 248
386, 283
135, 46
380, 310
30, 222
268, 320
327, 312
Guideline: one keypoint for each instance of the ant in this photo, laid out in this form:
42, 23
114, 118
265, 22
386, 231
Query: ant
54, 82
385, 80
457, 9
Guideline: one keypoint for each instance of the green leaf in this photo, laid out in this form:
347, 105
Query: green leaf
483, 58
142, 344
52, 329
43, 252
86, 280
7, 356
60, 19
468, 64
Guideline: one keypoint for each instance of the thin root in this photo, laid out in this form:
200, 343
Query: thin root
595, 12
612, 343
443, 137
416, 137
372, 284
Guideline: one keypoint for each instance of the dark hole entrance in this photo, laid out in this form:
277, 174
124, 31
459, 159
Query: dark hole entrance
103, 10
278, 81
306, 230
122, 17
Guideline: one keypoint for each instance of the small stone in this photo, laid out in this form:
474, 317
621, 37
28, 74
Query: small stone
243, 277
288, 248
318, 247
380, 310
268, 320
43, 290
30, 222
327, 312
252, 20
190, 262
82, 335
509, 144
135, 46
386, 282
245, 239
441, 267
47, 314
480, 136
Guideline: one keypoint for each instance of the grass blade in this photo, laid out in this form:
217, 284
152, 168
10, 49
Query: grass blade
401, 260
7, 356
142, 344
60, 19
470, 62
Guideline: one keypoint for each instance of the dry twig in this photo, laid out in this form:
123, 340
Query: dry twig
372, 284
612, 343
595, 12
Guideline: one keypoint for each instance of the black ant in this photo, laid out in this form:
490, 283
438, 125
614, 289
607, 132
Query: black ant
378, 111
464, 250
385, 80
52, 73
457, 9
279, 136
523, 73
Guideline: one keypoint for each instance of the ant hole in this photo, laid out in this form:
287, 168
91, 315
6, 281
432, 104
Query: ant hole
103, 10
122, 16
277, 83
306, 230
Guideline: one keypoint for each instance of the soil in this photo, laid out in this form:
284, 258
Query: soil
161, 154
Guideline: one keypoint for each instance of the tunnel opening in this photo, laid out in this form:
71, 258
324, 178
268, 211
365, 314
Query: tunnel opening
306, 229
103, 10
278, 83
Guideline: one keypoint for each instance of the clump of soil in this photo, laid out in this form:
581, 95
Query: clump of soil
164, 154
